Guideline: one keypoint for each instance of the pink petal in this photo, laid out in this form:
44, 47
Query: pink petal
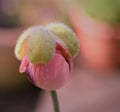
23, 64
64, 52
52, 75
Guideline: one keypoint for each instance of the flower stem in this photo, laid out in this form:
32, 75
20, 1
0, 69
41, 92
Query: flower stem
55, 101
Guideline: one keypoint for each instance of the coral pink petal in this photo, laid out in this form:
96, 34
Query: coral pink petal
63, 51
52, 75
23, 64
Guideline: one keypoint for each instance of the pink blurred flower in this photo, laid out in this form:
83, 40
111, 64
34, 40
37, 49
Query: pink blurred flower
52, 75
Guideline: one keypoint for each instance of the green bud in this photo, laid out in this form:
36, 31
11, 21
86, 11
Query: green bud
20, 48
105, 10
66, 36
41, 46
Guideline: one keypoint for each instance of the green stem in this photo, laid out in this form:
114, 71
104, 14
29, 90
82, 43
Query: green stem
55, 101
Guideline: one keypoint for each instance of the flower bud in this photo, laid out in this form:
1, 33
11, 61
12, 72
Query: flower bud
66, 36
41, 46
46, 55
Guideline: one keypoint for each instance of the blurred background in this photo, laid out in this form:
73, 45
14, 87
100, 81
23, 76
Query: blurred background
95, 82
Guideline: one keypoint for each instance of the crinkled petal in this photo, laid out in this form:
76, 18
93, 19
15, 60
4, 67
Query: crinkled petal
50, 76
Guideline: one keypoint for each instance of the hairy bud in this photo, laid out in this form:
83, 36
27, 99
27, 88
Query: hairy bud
66, 36
41, 46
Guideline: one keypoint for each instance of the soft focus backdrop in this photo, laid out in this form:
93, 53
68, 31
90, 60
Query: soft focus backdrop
95, 82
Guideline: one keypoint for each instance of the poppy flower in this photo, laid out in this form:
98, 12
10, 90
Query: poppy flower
46, 54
